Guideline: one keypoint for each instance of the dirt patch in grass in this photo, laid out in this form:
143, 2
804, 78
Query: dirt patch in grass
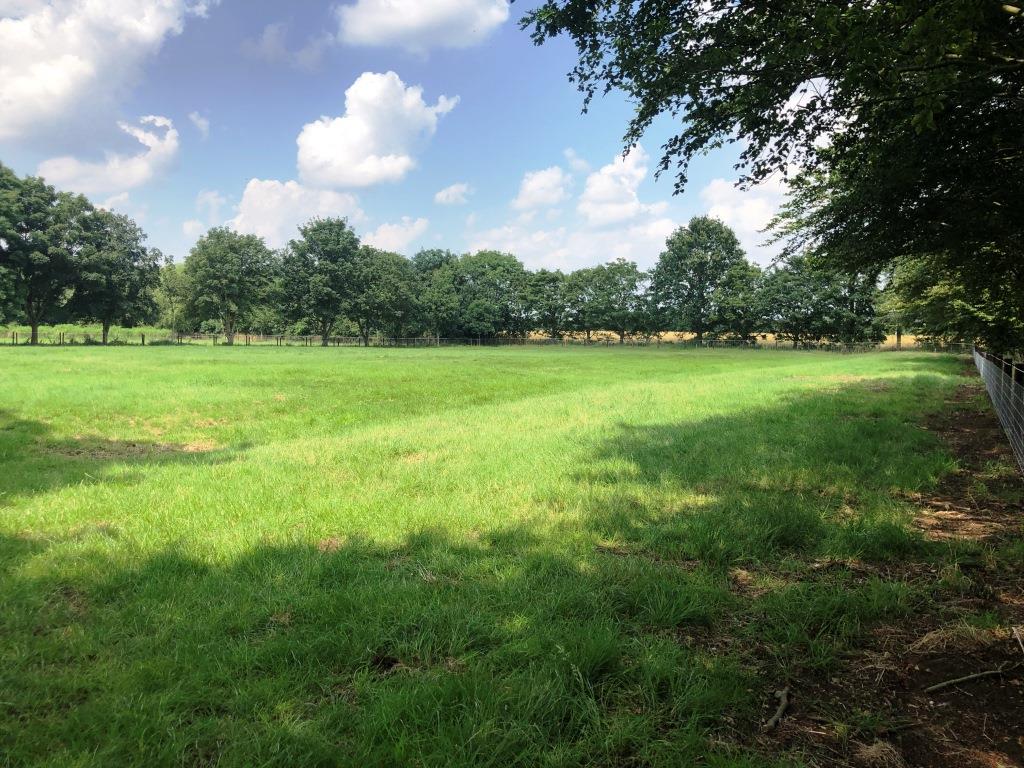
875, 709
100, 449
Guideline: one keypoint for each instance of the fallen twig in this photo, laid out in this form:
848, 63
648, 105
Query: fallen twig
783, 697
987, 673
1016, 633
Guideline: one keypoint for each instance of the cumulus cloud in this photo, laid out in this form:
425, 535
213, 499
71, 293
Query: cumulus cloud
397, 237
576, 163
201, 123
610, 195
274, 209
384, 123
746, 211
272, 46
542, 188
570, 248
60, 56
417, 25
456, 194
118, 172
209, 207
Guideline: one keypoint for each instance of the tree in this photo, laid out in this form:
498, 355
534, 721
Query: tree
227, 274
618, 301
491, 289
383, 293
739, 302
318, 274
116, 275
545, 295
42, 232
810, 302
933, 306
172, 295
580, 293
690, 273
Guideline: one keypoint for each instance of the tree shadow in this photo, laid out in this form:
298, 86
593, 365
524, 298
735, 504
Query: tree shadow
816, 474
437, 650
36, 461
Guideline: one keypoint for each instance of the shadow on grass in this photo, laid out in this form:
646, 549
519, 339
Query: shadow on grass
35, 461
816, 475
627, 642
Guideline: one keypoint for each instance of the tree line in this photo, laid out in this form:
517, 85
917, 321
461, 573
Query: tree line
65, 260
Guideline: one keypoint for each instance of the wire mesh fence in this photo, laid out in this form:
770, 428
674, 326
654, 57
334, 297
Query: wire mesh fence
1004, 380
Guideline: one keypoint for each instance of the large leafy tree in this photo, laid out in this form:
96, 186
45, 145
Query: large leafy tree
172, 295
228, 274
923, 301
740, 303
318, 275
383, 293
690, 274
116, 275
580, 292
809, 302
42, 234
491, 289
619, 300
546, 297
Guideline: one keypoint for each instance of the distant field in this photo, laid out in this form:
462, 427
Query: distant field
487, 557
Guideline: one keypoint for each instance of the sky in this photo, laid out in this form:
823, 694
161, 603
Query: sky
427, 123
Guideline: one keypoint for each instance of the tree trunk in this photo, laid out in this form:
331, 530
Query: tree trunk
899, 337
698, 338
106, 333
622, 337
35, 334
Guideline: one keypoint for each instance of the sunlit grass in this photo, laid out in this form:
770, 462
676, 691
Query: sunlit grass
438, 557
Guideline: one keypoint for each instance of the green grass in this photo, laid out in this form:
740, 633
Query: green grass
440, 557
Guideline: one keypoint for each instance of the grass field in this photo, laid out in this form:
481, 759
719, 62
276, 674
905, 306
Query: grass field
482, 557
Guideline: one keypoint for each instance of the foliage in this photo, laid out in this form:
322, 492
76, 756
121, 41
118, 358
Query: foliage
116, 275
690, 272
319, 274
930, 305
42, 232
810, 302
383, 293
227, 274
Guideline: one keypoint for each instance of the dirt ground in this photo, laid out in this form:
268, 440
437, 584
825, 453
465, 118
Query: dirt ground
903, 688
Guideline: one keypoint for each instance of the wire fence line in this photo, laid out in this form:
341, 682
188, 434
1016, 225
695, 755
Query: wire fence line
1004, 380
122, 338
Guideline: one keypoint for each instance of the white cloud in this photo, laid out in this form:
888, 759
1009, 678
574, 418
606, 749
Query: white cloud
117, 172
272, 46
419, 25
201, 123
209, 205
567, 248
384, 123
577, 163
746, 211
456, 194
397, 237
64, 56
610, 195
542, 188
193, 228
274, 209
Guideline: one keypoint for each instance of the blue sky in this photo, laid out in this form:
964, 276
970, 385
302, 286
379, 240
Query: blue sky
428, 123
